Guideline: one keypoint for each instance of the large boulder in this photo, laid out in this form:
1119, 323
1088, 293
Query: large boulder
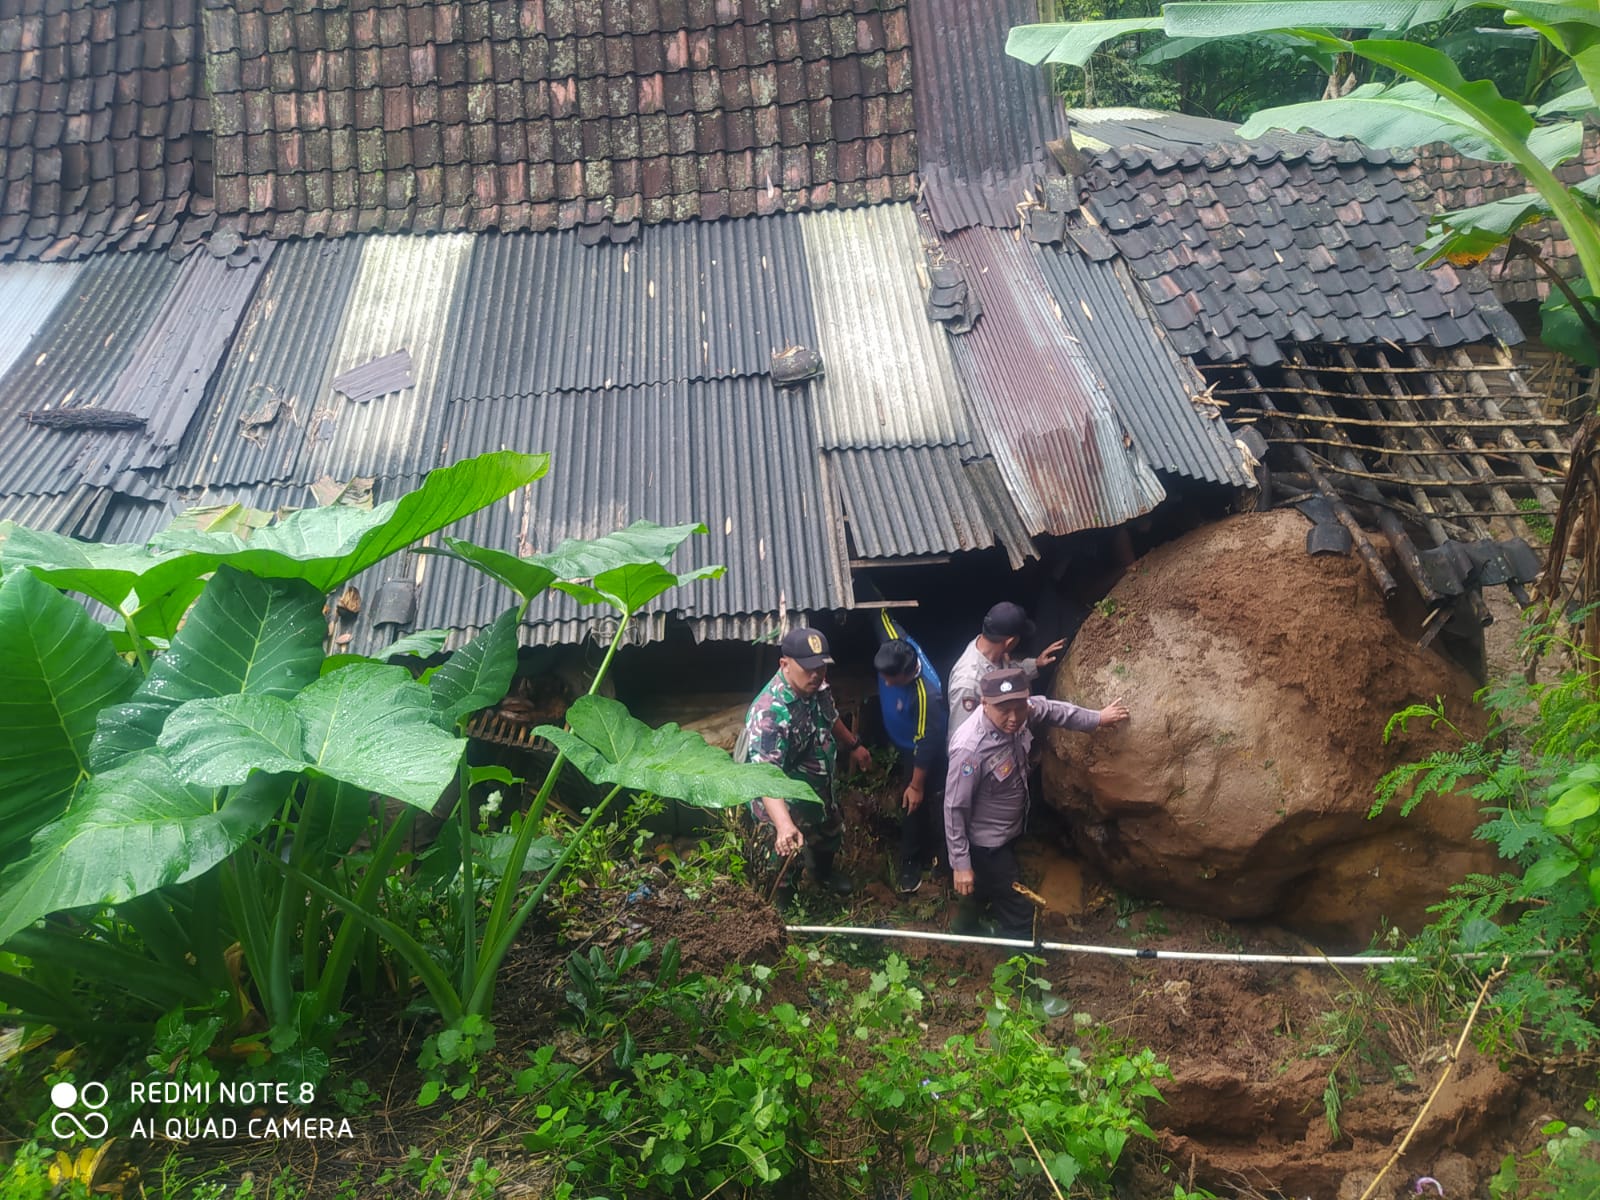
1260, 681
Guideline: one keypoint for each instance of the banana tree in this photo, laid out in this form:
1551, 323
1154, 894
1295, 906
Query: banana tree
1429, 101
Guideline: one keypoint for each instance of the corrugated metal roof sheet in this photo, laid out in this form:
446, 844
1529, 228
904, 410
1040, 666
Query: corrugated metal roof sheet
401, 300
736, 454
29, 293
74, 513
172, 366
695, 300
280, 354
888, 378
1046, 413
902, 501
1150, 385
75, 360
983, 118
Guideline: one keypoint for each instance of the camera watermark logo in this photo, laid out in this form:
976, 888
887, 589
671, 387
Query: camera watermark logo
68, 1097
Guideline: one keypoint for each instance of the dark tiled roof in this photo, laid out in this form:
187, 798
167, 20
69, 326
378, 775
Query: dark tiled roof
473, 114
1460, 182
983, 118
98, 124
134, 123
1240, 249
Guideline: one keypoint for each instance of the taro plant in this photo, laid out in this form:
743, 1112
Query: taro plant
623, 571
160, 804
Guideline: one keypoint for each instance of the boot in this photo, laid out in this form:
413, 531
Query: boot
827, 878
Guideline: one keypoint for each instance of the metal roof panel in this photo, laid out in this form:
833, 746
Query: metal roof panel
1151, 386
1047, 414
29, 293
888, 377
692, 300
75, 361
258, 417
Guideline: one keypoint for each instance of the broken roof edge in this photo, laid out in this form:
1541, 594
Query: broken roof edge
1135, 136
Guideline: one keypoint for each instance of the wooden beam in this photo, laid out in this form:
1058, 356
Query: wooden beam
916, 560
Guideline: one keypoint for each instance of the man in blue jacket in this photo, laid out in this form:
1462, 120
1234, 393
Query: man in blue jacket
915, 718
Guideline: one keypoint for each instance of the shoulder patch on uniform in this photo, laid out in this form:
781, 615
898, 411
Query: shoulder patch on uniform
966, 768
968, 703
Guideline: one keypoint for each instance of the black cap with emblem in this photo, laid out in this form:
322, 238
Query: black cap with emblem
807, 647
1008, 683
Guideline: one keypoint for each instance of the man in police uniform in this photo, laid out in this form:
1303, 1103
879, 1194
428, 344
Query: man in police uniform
1004, 627
986, 791
794, 725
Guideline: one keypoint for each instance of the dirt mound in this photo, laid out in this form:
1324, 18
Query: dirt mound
1260, 681
730, 924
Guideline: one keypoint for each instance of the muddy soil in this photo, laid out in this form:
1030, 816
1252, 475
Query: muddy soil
1259, 1053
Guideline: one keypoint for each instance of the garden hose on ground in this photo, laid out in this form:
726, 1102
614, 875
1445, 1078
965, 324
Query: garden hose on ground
1308, 960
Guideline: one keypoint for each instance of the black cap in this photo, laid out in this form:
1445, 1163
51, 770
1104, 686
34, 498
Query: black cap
807, 647
1008, 683
1007, 620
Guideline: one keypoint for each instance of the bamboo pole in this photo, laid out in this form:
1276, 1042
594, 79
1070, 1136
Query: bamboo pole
1329, 393
1341, 511
1428, 514
1399, 540
1424, 482
1424, 439
1402, 424
1474, 459
1358, 370
1530, 401
1392, 452
1491, 408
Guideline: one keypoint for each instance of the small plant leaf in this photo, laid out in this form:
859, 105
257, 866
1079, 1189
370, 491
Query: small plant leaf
527, 577
477, 675
424, 643
1574, 805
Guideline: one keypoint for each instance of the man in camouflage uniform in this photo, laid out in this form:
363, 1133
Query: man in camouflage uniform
794, 725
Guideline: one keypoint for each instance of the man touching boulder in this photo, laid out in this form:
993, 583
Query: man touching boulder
986, 790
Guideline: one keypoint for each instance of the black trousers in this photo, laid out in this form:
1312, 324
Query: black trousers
922, 832
996, 870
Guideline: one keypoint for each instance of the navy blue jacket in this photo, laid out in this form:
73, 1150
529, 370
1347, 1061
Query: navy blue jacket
914, 716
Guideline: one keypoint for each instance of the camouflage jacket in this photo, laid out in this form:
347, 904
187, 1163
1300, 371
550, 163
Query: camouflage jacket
793, 732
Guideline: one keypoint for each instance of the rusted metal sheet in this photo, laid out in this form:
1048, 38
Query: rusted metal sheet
1044, 409
1151, 386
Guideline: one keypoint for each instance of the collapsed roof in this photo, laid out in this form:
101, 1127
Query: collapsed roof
211, 262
